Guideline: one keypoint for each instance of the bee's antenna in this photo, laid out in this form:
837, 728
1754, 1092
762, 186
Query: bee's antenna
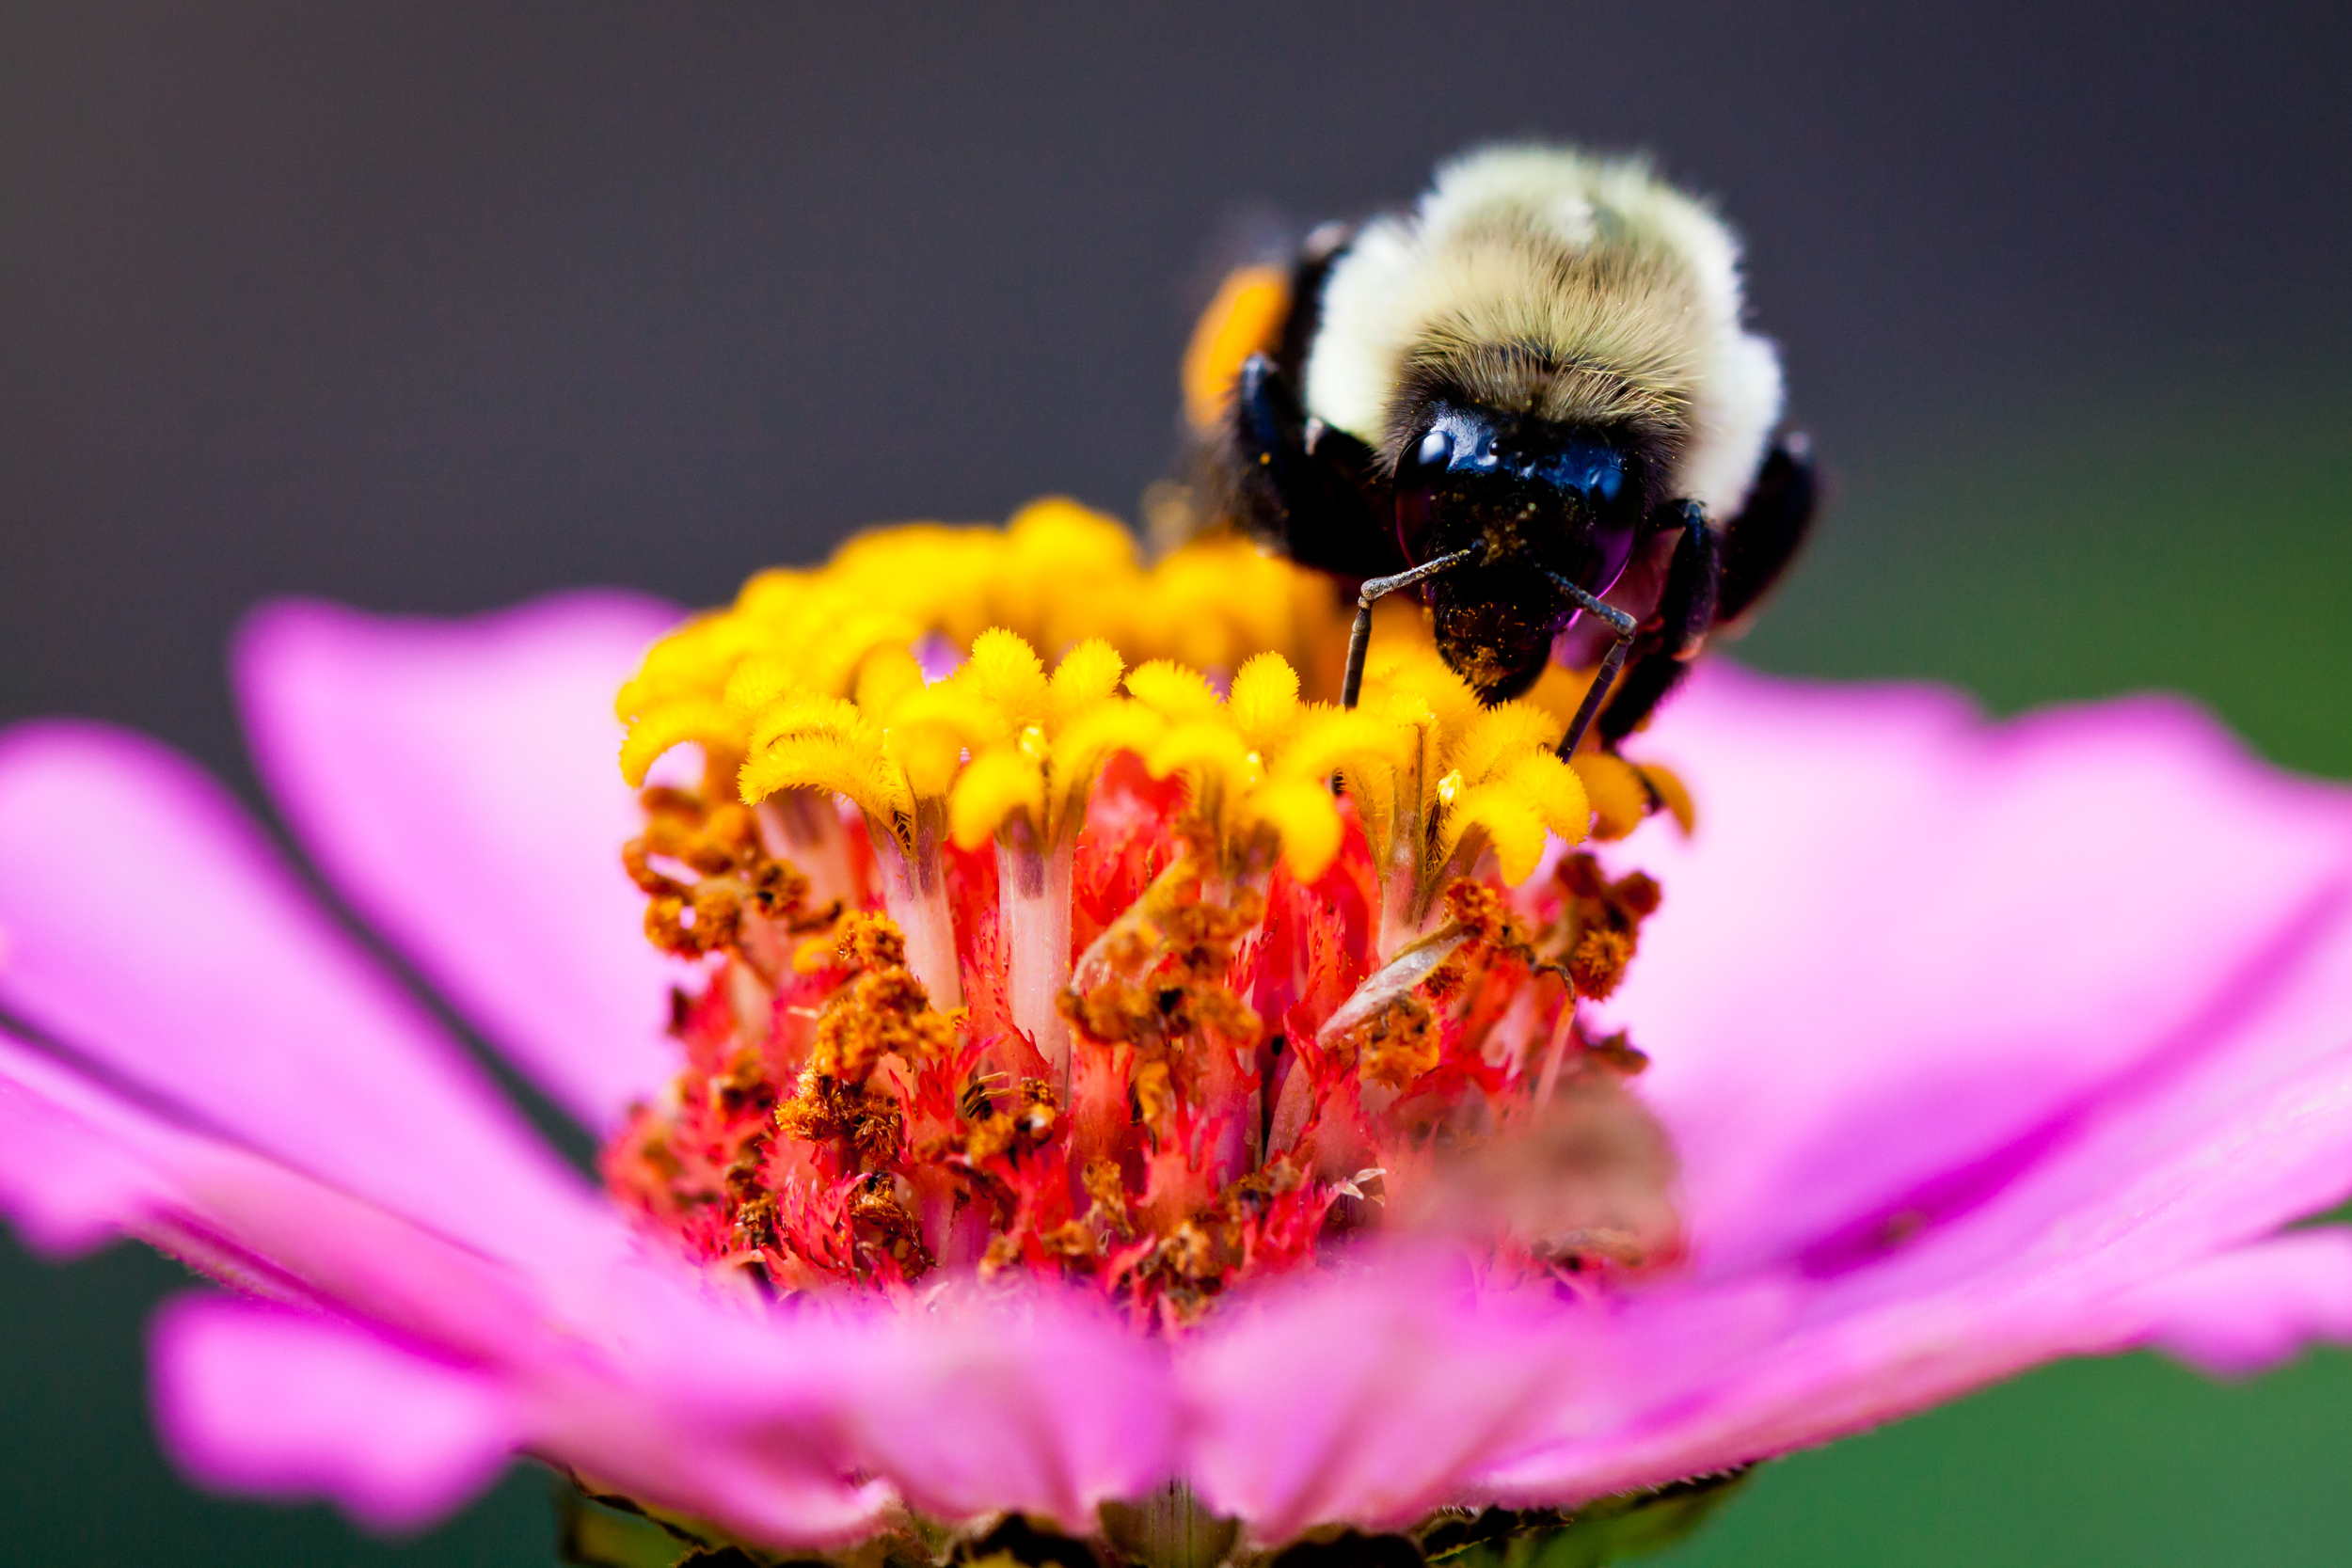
1620, 623
1359, 636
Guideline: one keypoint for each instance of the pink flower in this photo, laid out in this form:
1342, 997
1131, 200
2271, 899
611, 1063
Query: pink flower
1979, 1044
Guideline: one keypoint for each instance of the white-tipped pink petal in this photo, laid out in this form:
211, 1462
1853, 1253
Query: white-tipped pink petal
153, 928
260, 1399
458, 783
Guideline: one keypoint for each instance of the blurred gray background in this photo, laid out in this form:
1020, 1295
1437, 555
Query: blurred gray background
431, 306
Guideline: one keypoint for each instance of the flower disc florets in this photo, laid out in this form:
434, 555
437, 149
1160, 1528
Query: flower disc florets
1149, 970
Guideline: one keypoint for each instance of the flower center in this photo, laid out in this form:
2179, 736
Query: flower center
1134, 978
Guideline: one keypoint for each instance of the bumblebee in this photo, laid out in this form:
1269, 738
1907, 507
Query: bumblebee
1532, 398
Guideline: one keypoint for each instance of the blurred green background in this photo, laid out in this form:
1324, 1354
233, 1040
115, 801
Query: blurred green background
430, 305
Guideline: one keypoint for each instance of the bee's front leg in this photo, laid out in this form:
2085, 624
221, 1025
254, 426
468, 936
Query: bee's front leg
1717, 577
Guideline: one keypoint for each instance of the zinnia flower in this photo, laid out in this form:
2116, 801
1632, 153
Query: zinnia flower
1047, 1104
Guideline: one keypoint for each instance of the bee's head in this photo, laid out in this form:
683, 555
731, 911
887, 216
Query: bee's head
1534, 498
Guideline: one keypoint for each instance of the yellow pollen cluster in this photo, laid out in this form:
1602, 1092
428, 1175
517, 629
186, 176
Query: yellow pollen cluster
1057, 575
810, 682
1455, 778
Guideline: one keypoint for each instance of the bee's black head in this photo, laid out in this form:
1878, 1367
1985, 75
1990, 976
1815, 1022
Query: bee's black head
1534, 498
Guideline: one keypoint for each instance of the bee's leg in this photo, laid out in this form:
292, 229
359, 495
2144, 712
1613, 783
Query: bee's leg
1359, 635
1655, 676
1306, 487
1739, 566
1626, 629
1760, 541
1686, 614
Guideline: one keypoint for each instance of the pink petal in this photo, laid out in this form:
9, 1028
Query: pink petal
2247, 1311
1971, 1065
1904, 942
1928, 1157
691, 1405
1051, 1410
2131, 1228
260, 1400
1367, 1401
63, 1188
152, 927
586, 1373
968, 1404
458, 782
80, 1150
625, 1370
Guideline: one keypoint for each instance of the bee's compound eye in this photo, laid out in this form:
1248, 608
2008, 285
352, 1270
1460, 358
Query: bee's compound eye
1418, 474
1414, 503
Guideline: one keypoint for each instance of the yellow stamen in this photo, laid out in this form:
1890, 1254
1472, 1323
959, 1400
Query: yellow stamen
1087, 675
1005, 671
670, 723
1301, 814
1264, 704
995, 787
810, 678
1177, 692
1086, 743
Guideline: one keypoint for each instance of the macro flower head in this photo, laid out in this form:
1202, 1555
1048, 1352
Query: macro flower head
1146, 1003
1068, 1089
